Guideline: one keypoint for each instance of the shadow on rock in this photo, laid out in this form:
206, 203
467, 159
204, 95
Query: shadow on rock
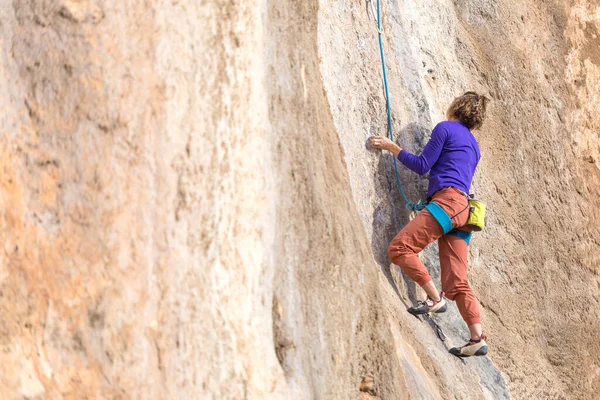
391, 215
388, 217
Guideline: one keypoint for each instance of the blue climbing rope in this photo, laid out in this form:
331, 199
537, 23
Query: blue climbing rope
409, 204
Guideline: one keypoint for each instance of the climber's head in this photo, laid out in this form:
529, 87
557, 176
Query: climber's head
468, 109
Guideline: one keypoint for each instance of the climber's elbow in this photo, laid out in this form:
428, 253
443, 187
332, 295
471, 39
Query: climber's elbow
422, 167
417, 164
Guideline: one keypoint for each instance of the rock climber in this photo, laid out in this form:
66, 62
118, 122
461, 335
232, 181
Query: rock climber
451, 155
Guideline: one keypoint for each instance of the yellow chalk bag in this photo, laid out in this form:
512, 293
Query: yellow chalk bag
476, 215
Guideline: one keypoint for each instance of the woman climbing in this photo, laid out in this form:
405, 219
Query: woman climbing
451, 155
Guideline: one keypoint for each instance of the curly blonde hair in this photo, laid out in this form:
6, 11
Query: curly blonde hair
468, 109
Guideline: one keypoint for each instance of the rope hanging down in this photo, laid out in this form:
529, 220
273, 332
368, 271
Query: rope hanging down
409, 204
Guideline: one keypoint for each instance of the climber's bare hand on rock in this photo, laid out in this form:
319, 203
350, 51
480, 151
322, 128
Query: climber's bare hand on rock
383, 143
380, 142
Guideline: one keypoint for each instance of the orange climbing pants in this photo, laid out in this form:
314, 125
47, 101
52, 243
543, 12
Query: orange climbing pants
425, 229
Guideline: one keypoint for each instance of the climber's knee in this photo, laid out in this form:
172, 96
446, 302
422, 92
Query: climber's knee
458, 288
392, 251
397, 249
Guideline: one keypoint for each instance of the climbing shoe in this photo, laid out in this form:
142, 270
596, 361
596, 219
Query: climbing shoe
473, 348
429, 306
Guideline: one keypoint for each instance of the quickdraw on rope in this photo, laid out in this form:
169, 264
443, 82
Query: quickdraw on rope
409, 204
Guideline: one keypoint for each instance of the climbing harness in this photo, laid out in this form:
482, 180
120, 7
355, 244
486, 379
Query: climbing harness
466, 236
440, 216
475, 223
445, 221
409, 204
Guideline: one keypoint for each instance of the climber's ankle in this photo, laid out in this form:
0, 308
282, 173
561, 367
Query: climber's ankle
431, 291
476, 331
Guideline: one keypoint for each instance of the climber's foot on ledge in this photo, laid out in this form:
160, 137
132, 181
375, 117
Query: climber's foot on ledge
473, 348
429, 306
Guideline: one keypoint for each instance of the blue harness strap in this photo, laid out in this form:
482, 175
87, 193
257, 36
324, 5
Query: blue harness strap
466, 236
445, 222
440, 216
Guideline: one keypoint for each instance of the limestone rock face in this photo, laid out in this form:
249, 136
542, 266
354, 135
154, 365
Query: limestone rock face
189, 208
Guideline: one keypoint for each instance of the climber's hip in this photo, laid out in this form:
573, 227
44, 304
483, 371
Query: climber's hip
450, 207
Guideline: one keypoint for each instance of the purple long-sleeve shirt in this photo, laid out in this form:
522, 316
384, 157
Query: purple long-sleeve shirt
451, 154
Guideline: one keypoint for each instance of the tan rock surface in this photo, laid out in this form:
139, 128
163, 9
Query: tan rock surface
189, 210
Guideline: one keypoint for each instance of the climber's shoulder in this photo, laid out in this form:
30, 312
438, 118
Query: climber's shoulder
442, 129
450, 128
449, 125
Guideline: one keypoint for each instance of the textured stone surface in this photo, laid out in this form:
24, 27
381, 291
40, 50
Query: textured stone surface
188, 208
539, 175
